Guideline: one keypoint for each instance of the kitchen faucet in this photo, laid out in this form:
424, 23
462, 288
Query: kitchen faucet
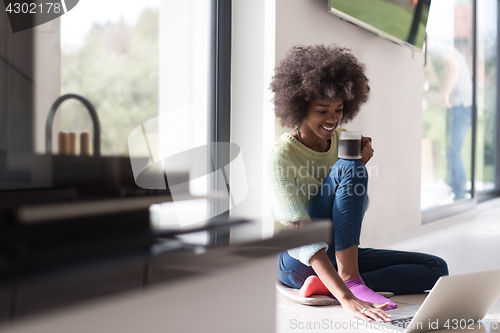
90, 109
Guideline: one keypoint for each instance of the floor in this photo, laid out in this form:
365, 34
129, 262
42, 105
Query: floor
469, 242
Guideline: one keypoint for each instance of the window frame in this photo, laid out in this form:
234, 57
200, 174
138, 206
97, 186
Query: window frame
435, 213
491, 194
220, 109
460, 206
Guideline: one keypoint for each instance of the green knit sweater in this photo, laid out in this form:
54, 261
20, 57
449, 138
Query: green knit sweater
295, 173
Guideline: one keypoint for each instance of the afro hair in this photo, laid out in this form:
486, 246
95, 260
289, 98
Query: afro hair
318, 71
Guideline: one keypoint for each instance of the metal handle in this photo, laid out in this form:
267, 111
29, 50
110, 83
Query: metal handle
93, 114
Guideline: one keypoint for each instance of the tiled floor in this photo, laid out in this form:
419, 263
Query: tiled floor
469, 243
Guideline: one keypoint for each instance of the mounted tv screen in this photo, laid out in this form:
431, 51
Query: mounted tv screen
402, 21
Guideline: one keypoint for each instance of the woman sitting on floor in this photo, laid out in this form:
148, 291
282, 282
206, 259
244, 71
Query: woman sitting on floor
317, 89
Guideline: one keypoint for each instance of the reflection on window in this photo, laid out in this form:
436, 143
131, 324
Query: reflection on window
111, 56
447, 104
144, 65
486, 95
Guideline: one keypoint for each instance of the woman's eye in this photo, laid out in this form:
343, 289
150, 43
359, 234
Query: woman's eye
321, 111
338, 111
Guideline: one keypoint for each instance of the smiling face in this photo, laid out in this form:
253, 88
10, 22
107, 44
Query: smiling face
322, 119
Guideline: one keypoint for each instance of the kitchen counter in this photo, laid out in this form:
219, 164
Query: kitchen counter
34, 293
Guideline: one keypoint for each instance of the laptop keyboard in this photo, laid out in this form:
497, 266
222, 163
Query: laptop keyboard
402, 322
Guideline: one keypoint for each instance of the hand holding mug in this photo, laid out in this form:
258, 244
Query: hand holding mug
366, 149
353, 146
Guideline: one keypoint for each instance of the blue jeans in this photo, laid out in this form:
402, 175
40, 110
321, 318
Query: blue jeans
342, 198
458, 123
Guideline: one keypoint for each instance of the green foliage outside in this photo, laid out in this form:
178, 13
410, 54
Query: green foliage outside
117, 70
384, 16
434, 126
487, 143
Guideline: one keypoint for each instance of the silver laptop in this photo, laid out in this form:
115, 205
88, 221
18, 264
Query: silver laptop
458, 301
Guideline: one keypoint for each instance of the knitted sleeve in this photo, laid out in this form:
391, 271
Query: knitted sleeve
287, 203
305, 253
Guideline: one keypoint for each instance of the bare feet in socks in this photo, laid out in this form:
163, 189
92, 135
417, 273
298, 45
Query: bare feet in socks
314, 286
362, 292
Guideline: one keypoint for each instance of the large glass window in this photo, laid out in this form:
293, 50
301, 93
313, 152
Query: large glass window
112, 57
136, 61
146, 67
448, 104
486, 92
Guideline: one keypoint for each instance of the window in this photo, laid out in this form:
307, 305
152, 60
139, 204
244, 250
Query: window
448, 105
486, 92
460, 108
160, 66
111, 56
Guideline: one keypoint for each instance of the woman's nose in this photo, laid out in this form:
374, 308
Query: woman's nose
333, 118
338, 116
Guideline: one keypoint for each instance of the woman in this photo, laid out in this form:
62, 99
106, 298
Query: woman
317, 89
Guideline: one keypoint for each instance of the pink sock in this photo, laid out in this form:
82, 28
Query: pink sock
313, 286
362, 292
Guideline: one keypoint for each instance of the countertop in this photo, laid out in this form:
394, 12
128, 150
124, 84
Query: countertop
30, 286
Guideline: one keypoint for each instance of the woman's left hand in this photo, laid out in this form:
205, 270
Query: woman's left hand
366, 149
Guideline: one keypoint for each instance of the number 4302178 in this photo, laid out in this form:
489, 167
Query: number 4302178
33, 8
464, 324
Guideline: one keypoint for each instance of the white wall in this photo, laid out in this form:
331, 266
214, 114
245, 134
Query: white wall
47, 78
252, 117
392, 116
